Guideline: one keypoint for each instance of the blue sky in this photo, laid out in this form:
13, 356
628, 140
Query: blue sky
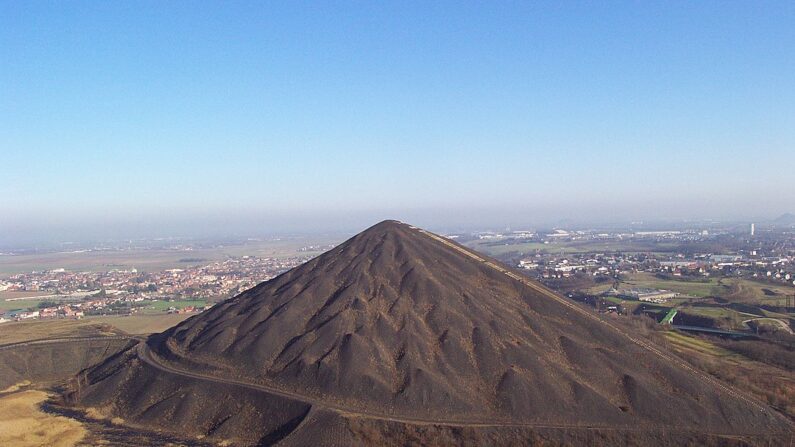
250, 116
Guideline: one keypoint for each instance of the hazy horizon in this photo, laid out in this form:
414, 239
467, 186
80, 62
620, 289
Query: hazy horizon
253, 225
152, 120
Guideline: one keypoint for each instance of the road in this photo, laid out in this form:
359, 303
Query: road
783, 324
62, 296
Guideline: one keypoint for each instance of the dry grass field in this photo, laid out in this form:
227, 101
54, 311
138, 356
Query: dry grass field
142, 324
770, 383
11, 295
22, 420
690, 288
23, 423
747, 291
15, 332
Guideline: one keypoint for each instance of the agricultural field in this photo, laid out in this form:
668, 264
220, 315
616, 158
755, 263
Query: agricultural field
30, 414
14, 332
494, 248
11, 295
753, 292
151, 307
22, 300
702, 346
151, 260
140, 324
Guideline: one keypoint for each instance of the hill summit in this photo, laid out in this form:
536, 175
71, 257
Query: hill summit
401, 325
394, 318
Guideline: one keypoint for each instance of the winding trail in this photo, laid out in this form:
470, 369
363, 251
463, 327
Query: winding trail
146, 355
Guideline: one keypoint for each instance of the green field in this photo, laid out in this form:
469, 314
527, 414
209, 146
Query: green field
20, 304
734, 290
495, 249
29, 300
152, 307
161, 306
616, 300
697, 289
739, 290
700, 345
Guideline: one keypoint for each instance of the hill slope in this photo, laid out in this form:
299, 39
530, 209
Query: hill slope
404, 325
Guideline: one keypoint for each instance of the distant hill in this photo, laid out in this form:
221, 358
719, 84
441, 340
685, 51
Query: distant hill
785, 219
398, 327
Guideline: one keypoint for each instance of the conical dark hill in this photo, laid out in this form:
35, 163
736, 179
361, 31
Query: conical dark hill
397, 321
402, 337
